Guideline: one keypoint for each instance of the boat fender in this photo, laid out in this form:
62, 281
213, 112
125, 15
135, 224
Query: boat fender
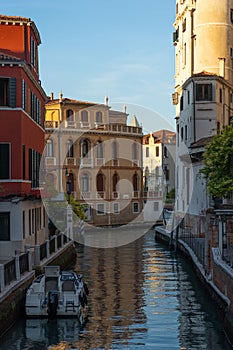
86, 288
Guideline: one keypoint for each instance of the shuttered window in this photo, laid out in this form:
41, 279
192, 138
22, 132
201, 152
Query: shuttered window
8, 92
203, 92
4, 226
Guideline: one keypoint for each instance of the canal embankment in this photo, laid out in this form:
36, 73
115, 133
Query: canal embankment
216, 275
17, 274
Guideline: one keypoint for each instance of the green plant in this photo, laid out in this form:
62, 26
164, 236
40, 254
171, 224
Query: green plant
218, 163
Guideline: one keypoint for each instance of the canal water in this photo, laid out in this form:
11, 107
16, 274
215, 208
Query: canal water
142, 296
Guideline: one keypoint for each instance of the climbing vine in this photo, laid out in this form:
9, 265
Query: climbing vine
218, 164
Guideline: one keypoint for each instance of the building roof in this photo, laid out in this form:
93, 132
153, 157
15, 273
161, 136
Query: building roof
202, 142
24, 20
162, 136
71, 101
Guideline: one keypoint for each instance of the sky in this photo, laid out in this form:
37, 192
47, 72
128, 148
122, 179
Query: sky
117, 48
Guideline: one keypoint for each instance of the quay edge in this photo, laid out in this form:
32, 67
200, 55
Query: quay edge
12, 301
222, 301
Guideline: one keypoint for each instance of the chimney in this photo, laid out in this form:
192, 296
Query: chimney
60, 96
106, 100
124, 108
51, 96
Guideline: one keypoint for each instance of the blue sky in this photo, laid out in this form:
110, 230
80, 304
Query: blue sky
119, 48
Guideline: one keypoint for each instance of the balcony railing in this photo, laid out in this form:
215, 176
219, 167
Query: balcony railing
115, 128
86, 162
70, 161
50, 161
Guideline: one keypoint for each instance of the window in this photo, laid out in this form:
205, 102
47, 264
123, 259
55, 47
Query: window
4, 161
100, 208
114, 150
181, 103
69, 115
203, 92
188, 97
33, 52
84, 148
184, 25
4, 226
186, 132
49, 148
231, 14
99, 117
85, 182
99, 150
147, 152
24, 89
135, 207
220, 95
135, 182
84, 116
8, 92
100, 182
185, 54
70, 149
34, 167
157, 151
182, 133
165, 151
115, 180
116, 209
35, 108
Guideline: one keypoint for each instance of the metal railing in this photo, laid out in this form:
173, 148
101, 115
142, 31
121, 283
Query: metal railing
13, 270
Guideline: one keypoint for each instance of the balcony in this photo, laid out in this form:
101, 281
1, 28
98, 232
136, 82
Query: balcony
115, 195
86, 195
70, 161
86, 162
99, 162
100, 194
135, 163
136, 194
50, 161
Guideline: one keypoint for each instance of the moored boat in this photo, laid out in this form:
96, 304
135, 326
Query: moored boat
56, 293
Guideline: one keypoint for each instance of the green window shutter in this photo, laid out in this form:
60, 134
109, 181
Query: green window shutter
12, 92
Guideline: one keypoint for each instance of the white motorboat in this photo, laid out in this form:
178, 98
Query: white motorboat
56, 293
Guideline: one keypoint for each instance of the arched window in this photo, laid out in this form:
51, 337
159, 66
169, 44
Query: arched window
70, 149
114, 150
85, 182
84, 148
84, 116
49, 148
135, 151
135, 182
99, 117
100, 182
115, 180
69, 115
99, 150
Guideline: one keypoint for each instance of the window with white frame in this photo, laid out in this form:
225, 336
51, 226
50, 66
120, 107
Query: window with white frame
136, 207
100, 209
116, 208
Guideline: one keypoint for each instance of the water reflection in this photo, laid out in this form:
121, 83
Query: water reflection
141, 297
